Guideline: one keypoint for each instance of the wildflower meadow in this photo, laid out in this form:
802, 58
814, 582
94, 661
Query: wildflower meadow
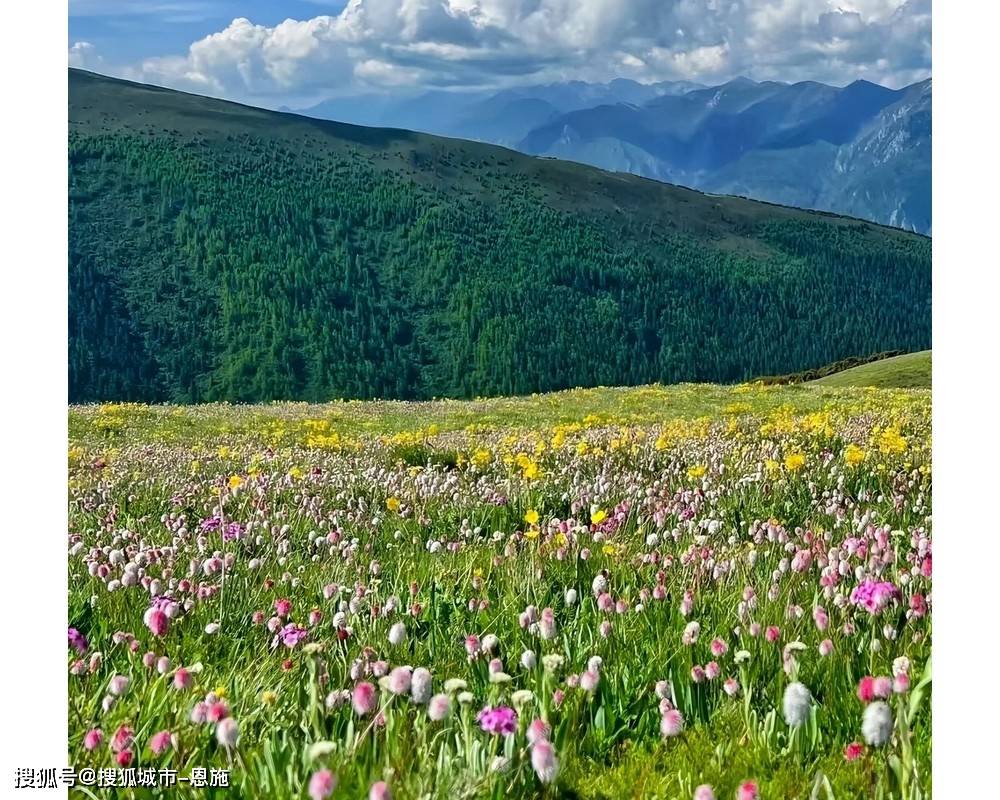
662, 592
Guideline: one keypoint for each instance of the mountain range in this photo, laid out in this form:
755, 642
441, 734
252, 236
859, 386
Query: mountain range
862, 150
223, 252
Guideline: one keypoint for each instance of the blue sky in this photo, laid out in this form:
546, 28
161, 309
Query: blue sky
298, 51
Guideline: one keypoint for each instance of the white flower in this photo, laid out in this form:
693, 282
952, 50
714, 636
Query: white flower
397, 634
528, 659
420, 685
552, 662
570, 597
521, 697
876, 724
741, 656
499, 677
212, 627
796, 704
454, 685
227, 732
900, 665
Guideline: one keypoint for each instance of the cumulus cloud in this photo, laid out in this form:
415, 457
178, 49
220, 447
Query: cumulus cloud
392, 43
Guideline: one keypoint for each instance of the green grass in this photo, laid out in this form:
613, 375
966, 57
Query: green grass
910, 371
324, 493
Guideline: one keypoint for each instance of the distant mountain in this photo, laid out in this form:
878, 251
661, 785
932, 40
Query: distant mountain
861, 150
223, 252
504, 117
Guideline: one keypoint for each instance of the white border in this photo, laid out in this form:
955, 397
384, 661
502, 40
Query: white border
33, 319
33, 207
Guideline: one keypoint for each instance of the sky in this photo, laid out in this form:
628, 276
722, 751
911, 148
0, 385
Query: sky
297, 52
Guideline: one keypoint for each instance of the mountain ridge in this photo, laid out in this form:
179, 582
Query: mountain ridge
713, 138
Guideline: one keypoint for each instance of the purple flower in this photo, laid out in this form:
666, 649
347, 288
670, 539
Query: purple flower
501, 720
77, 641
290, 635
232, 530
874, 596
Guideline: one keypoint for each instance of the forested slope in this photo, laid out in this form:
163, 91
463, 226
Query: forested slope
223, 252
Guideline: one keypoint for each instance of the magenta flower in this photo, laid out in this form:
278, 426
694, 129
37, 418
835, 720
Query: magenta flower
78, 641
290, 635
501, 720
874, 596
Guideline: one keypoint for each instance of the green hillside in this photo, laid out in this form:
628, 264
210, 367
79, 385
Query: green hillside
910, 371
224, 252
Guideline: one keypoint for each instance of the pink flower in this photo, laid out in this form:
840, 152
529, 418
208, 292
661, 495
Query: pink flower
731, 686
543, 761
866, 689
747, 791
771, 634
882, 687
825, 647
182, 679
671, 723
901, 683
283, 607
704, 792
363, 699
439, 707
379, 791
854, 751
157, 621
322, 784
124, 758
122, 739
712, 670
719, 647
589, 681
159, 742
399, 681
538, 729
93, 738
547, 624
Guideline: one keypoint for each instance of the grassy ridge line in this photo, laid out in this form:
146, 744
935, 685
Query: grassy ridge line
909, 371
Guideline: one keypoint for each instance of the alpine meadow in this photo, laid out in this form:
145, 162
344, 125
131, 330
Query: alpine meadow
406, 467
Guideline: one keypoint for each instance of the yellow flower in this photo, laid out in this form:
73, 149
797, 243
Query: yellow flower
392, 504
531, 517
531, 534
235, 481
853, 455
481, 457
794, 462
224, 452
561, 540
268, 698
296, 472
195, 466
608, 549
697, 471
597, 516
220, 692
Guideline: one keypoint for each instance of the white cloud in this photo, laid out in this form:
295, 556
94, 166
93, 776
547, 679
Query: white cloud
499, 42
84, 56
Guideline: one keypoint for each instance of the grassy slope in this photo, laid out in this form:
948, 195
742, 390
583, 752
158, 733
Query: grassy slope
910, 371
106, 105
